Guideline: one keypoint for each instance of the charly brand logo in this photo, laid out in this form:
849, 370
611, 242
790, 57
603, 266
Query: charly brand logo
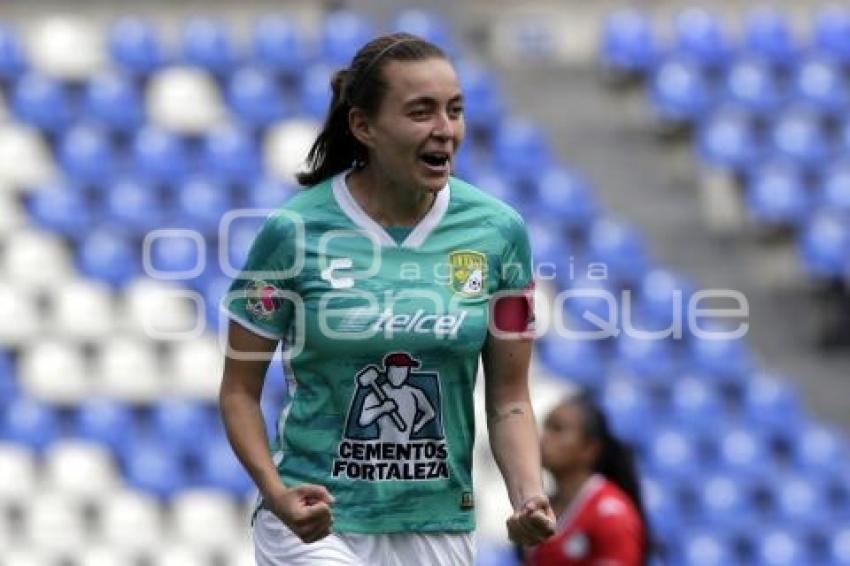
394, 429
468, 272
262, 299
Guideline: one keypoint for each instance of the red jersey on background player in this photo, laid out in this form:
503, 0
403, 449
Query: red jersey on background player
597, 500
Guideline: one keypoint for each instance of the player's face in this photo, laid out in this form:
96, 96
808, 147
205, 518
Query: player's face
564, 445
397, 374
419, 124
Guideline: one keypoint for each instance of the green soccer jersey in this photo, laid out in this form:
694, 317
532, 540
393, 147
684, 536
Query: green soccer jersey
384, 338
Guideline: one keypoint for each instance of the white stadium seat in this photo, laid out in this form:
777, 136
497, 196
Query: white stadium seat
242, 555
127, 370
81, 469
157, 309
104, 556
55, 523
25, 160
83, 309
18, 474
66, 47
35, 259
54, 371
196, 368
12, 216
286, 146
206, 519
184, 100
19, 317
130, 521
179, 555
25, 557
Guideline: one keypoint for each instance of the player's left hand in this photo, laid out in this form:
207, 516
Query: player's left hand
533, 522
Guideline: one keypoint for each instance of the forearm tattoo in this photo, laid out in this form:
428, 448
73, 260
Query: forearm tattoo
495, 416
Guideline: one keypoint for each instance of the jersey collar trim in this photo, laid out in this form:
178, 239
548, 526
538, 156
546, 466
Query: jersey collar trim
417, 236
591, 485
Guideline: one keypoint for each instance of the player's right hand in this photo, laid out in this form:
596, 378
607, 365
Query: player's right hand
388, 406
305, 509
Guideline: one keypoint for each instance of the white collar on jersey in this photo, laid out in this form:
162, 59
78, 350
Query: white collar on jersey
417, 236
590, 486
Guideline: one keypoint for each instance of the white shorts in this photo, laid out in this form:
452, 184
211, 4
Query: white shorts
276, 545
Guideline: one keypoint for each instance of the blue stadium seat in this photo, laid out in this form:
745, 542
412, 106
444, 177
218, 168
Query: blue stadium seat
695, 404
425, 24
230, 155
705, 547
314, 95
679, 91
671, 453
239, 239
661, 505
29, 422
12, 58
343, 32
578, 361
797, 134
154, 468
109, 256
41, 102
767, 34
628, 44
136, 47
727, 139
780, 547
104, 421
819, 83
175, 254
9, 389
834, 190
646, 357
839, 545
619, 247
724, 499
819, 449
279, 45
483, 104
718, 355
824, 245
113, 101
185, 426
134, 204
201, 203
520, 149
206, 43
740, 450
564, 196
592, 307
699, 34
751, 84
159, 156
86, 155
255, 97
776, 194
61, 208
549, 247
831, 32
214, 288
797, 499
267, 193
219, 469
659, 292
626, 404
771, 404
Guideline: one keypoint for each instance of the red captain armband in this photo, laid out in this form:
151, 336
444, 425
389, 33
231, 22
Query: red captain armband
512, 313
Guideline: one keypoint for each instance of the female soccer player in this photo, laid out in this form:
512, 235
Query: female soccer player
597, 498
387, 278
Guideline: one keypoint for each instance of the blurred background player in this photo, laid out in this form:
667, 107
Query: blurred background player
597, 491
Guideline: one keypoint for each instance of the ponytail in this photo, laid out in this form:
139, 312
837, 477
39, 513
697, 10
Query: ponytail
361, 85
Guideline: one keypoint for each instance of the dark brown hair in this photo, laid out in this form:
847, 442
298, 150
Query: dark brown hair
361, 85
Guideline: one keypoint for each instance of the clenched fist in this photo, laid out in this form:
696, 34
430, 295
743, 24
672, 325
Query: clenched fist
533, 522
305, 509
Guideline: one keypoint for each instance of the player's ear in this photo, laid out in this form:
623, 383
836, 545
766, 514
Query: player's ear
360, 126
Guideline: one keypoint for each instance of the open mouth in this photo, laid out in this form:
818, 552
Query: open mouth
435, 159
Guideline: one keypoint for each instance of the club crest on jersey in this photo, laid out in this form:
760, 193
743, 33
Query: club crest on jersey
468, 272
262, 299
394, 429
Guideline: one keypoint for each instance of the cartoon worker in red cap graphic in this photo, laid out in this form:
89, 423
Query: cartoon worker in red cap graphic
395, 409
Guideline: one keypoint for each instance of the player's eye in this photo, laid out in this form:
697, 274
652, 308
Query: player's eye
456, 111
